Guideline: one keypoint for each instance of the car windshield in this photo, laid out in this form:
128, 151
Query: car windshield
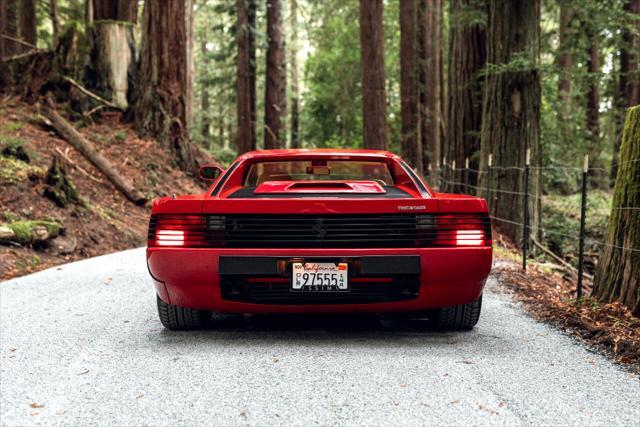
318, 170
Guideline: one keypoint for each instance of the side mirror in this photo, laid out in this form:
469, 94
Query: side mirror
210, 172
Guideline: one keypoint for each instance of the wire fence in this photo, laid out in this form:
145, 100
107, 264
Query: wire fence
449, 177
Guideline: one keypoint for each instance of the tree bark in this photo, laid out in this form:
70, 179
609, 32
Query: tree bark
205, 103
77, 141
629, 81
190, 21
411, 144
618, 273
159, 109
55, 20
565, 64
244, 134
112, 53
27, 21
431, 79
593, 101
252, 10
467, 56
275, 103
511, 113
374, 97
9, 28
293, 47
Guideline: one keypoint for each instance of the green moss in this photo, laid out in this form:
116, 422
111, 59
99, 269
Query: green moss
23, 230
10, 142
120, 136
14, 170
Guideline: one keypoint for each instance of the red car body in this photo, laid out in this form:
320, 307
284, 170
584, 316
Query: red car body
407, 247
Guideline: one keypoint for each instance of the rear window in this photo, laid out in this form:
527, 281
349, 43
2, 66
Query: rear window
318, 170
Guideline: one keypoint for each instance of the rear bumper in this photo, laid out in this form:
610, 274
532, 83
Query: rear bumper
195, 277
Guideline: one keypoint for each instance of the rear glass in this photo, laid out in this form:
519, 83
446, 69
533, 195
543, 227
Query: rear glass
318, 170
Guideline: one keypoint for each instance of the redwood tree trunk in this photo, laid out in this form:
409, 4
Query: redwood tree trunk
113, 50
629, 82
190, 21
593, 101
27, 22
467, 56
430, 51
374, 99
55, 19
295, 119
252, 9
618, 274
205, 104
159, 108
275, 102
565, 62
411, 144
244, 134
511, 113
9, 27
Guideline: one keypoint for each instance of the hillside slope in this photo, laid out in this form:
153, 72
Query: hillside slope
103, 220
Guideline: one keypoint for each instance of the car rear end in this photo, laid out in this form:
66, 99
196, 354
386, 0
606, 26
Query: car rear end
321, 247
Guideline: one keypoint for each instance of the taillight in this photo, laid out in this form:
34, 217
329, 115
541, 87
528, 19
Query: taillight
186, 231
453, 230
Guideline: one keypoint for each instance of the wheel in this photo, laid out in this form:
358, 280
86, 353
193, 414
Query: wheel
461, 317
182, 318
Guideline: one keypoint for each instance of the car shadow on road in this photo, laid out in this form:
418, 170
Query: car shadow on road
354, 330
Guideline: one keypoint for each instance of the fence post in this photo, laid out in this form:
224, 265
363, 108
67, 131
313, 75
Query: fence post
466, 176
583, 212
489, 164
525, 228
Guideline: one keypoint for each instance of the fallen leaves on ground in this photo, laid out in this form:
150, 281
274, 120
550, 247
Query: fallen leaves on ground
551, 297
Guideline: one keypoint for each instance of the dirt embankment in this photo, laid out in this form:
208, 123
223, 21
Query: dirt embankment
100, 220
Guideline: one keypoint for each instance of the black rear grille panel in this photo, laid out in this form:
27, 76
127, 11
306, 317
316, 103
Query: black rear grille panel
320, 231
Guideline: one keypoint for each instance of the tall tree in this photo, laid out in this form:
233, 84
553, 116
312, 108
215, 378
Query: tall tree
28, 27
593, 97
295, 92
245, 134
511, 111
467, 55
275, 102
374, 98
9, 28
618, 274
204, 98
159, 108
252, 10
411, 144
565, 65
629, 80
55, 19
113, 49
430, 51
190, 22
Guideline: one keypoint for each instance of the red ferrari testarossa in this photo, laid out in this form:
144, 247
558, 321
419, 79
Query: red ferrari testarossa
319, 231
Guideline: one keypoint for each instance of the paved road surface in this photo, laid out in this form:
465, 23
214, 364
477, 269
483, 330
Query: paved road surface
81, 344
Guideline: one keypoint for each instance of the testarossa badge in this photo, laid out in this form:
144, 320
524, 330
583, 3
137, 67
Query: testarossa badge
411, 207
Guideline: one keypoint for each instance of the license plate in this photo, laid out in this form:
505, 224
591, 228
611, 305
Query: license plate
320, 277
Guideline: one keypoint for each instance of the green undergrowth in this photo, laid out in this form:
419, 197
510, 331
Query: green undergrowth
23, 230
561, 221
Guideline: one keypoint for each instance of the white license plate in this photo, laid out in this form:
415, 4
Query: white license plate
320, 276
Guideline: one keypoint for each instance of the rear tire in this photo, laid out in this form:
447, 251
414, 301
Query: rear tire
458, 317
182, 318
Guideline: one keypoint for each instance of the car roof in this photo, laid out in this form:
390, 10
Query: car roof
318, 152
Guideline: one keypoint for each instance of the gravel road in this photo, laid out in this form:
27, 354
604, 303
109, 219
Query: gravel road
81, 344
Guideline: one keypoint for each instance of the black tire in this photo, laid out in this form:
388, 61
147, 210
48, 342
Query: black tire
458, 317
182, 318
